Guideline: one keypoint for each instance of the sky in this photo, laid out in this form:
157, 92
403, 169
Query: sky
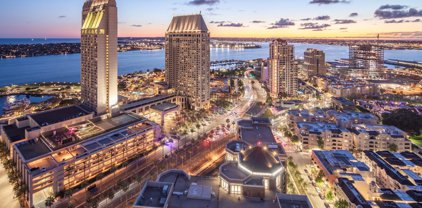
401, 19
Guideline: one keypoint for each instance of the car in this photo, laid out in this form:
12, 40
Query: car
92, 188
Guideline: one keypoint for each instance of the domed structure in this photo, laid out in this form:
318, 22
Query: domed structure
259, 160
255, 170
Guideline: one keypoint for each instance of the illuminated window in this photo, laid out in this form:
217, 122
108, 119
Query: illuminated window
235, 189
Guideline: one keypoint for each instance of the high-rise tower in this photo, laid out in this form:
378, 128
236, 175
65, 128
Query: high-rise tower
367, 57
314, 62
282, 69
99, 55
188, 59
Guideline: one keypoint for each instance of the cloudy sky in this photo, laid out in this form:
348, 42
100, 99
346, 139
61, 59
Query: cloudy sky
225, 18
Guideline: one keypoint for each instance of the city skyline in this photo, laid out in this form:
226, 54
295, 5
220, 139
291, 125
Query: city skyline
299, 19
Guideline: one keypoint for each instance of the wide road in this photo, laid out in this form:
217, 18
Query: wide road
239, 109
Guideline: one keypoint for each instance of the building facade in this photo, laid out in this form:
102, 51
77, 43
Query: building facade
99, 55
380, 138
188, 59
65, 157
327, 136
315, 62
370, 58
283, 73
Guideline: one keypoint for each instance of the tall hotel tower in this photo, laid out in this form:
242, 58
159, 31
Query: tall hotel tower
188, 59
99, 55
282, 70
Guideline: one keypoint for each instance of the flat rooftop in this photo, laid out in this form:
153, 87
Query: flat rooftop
165, 107
338, 160
59, 115
154, 194
87, 136
179, 178
66, 136
253, 132
343, 101
293, 201
236, 146
32, 148
14, 133
218, 198
146, 101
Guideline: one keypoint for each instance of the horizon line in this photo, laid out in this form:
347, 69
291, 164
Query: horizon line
314, 38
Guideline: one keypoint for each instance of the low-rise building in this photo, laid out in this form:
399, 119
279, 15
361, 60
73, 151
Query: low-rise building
66, 157
295, 116
347, 119
323, 135
344, 119
353, 89
379, 138
175, 188
339, 163
293, 201
395, 170
341, 103
33, 125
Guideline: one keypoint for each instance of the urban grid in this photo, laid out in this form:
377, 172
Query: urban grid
281, 130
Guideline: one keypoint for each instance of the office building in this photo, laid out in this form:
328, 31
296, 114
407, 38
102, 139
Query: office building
99, 55
188, 59
283, 75
314, 62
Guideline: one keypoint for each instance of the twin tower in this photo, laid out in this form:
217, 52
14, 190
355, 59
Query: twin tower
187, 57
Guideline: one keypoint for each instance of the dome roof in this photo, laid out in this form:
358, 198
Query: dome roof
259, 160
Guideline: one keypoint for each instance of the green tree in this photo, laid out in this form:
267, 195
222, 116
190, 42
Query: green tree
404, 119
330, 195
320, 143
49, 201
319, 178
295, 139
392, 147
341, 204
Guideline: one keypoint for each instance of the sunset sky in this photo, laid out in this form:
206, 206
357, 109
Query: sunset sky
225, 18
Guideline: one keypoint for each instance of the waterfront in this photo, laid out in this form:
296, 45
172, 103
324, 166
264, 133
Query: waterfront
66, 68
33, 99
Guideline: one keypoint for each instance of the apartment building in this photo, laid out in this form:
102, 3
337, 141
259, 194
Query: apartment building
380, 138
395, 170
323, 135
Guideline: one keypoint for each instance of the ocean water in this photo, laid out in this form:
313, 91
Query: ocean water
66, 68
